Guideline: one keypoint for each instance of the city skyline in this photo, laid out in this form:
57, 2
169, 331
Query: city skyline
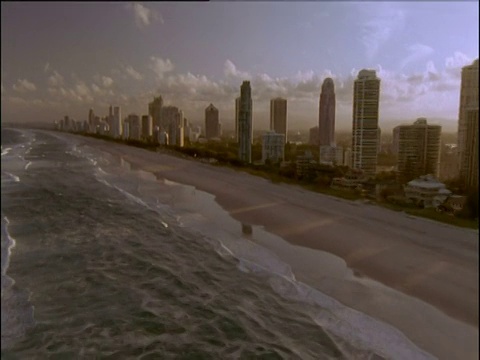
420, 65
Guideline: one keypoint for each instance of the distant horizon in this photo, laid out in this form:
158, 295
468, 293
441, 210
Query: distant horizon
126, 53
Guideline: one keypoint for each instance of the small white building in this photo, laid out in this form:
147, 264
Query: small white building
273, 147
426, 191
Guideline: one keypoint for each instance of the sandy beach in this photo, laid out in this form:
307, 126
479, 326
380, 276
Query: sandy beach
419, 275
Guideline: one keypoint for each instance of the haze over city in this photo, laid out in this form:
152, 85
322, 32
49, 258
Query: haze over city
60, 58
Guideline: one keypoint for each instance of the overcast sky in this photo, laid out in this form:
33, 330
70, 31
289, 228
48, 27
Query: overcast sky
64, 58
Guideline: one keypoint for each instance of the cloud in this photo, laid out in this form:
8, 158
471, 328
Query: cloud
160, 67
56, 79
46, 67
24, 85
230, 70
133, 73
107, 81
382, 21
417, 52
17, 100
143, 15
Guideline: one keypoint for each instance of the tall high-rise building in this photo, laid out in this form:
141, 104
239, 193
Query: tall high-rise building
212, 124
326, 114
91, 118
366, 98
147, 126
470, 153
135, 126
172, 122
278, 116
245, 128
116, 126
468, 101
237, 109
418, 150
155, 111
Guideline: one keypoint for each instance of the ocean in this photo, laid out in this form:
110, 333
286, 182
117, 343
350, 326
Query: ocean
100, 261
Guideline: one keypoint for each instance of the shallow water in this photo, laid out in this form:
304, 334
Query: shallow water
104, 264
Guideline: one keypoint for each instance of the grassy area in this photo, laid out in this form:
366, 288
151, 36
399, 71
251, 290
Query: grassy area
432, 214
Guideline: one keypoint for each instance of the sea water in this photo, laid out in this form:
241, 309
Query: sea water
98, 260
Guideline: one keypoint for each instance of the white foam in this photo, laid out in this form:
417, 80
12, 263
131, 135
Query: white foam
13, 177
6, 151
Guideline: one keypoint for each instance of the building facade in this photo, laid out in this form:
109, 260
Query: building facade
135, 127
245, 128
326, 114
278, 116
469, 164
147, 126
237, 110
212, 123
366, 98
116, 126
418, 150
155, 110
468, 101
273, 147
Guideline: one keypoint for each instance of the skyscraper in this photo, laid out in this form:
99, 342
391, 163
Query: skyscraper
326, 114
172, 122
135, 126
418, 150
470, 153
245, 123
237, 109
116, 128
91, 118
147, 126
468, 101
212, 125
155, 111
366, 98
278, 116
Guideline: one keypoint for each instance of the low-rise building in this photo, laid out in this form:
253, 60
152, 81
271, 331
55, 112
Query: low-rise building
273, 147
352, 180
426, 191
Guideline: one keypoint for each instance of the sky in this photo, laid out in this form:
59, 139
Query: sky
64, 58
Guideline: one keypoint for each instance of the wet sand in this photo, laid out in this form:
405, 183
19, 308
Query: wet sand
419, 275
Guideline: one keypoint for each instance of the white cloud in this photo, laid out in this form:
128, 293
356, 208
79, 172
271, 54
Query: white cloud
107, 81
160, 66
23, 85
143, 15
457, 61
416, 52
17, 100
230, 70
382, 21
56, 79
46, 67
133, 73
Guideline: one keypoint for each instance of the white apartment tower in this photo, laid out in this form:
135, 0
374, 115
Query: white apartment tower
366, 98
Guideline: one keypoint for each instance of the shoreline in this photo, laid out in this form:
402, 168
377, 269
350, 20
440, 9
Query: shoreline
433, 265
